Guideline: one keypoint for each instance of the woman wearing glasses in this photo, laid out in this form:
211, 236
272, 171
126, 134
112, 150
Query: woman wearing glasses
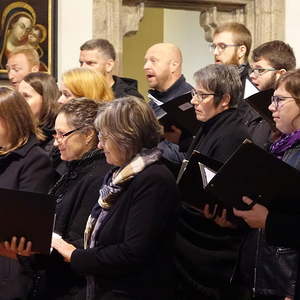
76, 192
202, 246
130, 233
278, 265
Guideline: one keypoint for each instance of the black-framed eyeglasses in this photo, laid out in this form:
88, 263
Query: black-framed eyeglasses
277, 99
201, 96
61, 136
260, 71
221, 46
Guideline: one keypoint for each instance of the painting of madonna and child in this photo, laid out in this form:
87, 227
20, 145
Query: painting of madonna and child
28, 23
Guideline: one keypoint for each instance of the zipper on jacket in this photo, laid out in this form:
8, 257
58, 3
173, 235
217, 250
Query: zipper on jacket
256, 259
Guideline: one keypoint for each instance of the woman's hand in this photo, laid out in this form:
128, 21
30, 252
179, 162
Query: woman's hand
64, 248
219, 220
12, 249
254, 217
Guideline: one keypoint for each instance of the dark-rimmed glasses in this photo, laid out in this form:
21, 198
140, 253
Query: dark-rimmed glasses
221, 46
201, 96
260, 71
277, 99
60, 136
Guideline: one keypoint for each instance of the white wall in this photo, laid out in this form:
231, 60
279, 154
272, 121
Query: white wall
74, 28
182, 28
292, 22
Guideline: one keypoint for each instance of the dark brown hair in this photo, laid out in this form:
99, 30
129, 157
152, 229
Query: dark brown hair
279, 54
102, 45
18, 118
45, 85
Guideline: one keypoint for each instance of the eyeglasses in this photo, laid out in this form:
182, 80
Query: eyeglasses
260, 71
102, 137
221, 46
277, 99
201, 96
60, 136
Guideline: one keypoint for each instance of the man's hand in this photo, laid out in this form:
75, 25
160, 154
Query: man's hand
174, 135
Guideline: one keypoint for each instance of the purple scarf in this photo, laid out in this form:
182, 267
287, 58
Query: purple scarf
286, 141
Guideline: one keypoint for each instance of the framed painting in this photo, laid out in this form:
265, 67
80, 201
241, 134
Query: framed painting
29, 23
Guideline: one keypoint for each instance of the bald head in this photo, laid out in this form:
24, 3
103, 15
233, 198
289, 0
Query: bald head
162, 65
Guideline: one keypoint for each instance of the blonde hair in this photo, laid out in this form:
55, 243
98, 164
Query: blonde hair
88, 83
18, 119
29, 52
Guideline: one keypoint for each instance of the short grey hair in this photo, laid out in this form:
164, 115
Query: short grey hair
130, 123
220, 79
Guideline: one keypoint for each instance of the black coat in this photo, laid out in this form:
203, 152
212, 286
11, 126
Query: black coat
259, 130
123, 87
206, 253
281, 229
28, 169
76, 192
134, 245
172, 153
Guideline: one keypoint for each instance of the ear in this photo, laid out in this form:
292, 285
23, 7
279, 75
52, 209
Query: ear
242, 51
225, 101
174, 65
279, 73
90, 135
35, 68
109, 65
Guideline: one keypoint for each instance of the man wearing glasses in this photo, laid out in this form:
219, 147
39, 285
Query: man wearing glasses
269, 61
231, 46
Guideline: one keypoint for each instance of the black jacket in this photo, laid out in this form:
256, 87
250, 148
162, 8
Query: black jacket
28, 169
134, 245
172, 153
280, 228
76, 192
259, 130
123, 87
206, 253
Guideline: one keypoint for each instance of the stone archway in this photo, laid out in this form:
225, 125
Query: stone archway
113, 19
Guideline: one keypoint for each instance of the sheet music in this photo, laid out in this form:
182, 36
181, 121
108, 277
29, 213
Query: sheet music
207, 174
250, 89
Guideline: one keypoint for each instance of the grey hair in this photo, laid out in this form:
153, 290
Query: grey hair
130, 123
220, 79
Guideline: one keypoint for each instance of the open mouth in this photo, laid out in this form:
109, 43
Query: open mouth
149, 76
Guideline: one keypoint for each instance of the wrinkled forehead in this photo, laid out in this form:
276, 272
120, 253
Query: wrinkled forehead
19, 59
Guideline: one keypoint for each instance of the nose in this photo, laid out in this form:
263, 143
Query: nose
272, 107
55, 143
10, 74
100, 145
146, 65
194, 100
62, 99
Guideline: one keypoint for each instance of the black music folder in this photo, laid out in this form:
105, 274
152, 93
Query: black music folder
260, 102
193, 176
179, 112
253, 172
27, 214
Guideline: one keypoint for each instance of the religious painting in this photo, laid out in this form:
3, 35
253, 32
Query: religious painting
29, 23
